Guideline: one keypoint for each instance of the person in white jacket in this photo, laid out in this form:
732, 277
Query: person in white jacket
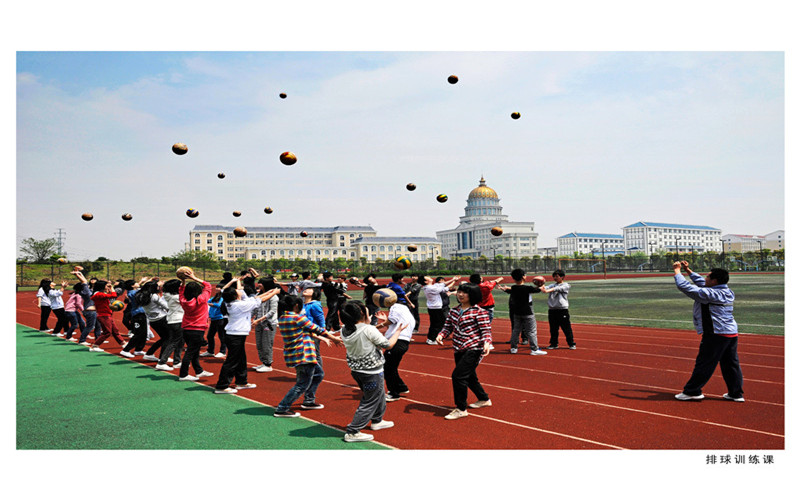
365, 344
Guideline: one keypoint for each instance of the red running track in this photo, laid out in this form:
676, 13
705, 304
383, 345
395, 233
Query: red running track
616, 391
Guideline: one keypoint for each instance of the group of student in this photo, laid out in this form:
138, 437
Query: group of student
187, 314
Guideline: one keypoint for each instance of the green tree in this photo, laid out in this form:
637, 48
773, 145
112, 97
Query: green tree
38, 250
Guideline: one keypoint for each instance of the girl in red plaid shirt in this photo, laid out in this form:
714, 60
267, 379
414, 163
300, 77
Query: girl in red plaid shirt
472, 340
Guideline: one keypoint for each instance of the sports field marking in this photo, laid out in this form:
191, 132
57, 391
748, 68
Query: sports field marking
681, 321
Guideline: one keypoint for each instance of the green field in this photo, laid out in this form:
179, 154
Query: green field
70, 399
656, 302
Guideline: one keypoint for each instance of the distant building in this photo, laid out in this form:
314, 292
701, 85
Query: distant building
473, 237
650, 237
744, 243
776, 240
593, 243
391, 247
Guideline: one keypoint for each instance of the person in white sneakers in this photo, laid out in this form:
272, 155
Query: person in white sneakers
364, 344
472, 340
239, 308
521, 310
433, 291
266, 323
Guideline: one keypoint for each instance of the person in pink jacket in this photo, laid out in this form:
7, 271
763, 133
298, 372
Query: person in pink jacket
194, 294
73, 309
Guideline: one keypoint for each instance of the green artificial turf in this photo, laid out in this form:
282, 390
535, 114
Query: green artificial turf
71, 399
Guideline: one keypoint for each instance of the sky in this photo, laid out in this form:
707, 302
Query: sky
605, 139
630, 111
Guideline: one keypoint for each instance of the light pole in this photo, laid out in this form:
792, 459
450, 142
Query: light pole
722, 264
677, 253
650, 246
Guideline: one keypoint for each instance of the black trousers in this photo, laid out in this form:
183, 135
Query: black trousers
194, 341
464, 377
437, 322
559, 318
44, 313
235, 365
392, 358
162, 330
332, 318
216, 327
415, 313
61, 320
138, 324
174, 346
716, 349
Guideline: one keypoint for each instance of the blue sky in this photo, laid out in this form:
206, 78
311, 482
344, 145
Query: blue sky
605, 139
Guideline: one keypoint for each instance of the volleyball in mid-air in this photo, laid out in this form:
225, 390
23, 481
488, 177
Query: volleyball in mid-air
402, 262
288, 158
192, 213
441, 198
453, 79
87, 216
127, 216
497, 230
268, 210
384, 297
179, 148
116, 305
240, 231
182, 272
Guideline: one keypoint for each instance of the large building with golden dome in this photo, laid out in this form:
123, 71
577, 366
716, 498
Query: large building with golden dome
473, 238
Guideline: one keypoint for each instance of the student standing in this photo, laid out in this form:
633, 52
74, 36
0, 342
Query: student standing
43, 296
266, 322
298, 334
713, 319
486, 287
239, 308
412, 289
216, 325
521, 309
364, 344
103, 295
558, 310
156, 309
399, 321
194, 297
89, 310
472, 340
170, 290
433, 298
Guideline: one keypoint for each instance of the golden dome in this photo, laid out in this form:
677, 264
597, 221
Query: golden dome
483, 191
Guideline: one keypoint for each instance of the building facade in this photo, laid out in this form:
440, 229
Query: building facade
473, 237
743, 243
651, 237
776, 240
348, 242
593, 243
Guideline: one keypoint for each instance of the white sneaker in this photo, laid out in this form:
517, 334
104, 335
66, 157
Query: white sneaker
263, 368
176, 365
246, 386
430, 342
85, 343
740, 399
90, 337
59, 334
126, 354
481, 404
227, 390
96, 349
538, 352
456, 414
73, 339
166, 368
358, 436
206, 354
513, 350
149, 357
383, 424
139, 353
204, 374
686, 397
189, 378
219, 355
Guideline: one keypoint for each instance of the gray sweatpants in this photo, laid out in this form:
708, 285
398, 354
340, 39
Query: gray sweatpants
526, 325
265, 339
373, 403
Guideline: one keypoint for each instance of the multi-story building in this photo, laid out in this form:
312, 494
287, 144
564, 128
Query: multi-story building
743, 242
593, 243
650, 237
473, 237
348, 242
776, 240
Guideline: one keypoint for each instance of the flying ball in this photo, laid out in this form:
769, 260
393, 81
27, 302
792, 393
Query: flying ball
402, 262
411, 186
412, 248
515, 115
192, 213
441, 198
282, 95
539, 280
353, 280
182, 272
179, 148
116, 305
77, 268
62, 260
221, 175
384, 297
268, 210
303, 234
453, 79
288, 158
87, 216
237, 213
127, 216
240, 231
497, 230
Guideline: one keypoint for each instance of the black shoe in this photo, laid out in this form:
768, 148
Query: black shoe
286, 414
551, 347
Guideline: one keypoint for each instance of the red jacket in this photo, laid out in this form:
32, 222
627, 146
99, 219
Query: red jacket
195, 311
101, 301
